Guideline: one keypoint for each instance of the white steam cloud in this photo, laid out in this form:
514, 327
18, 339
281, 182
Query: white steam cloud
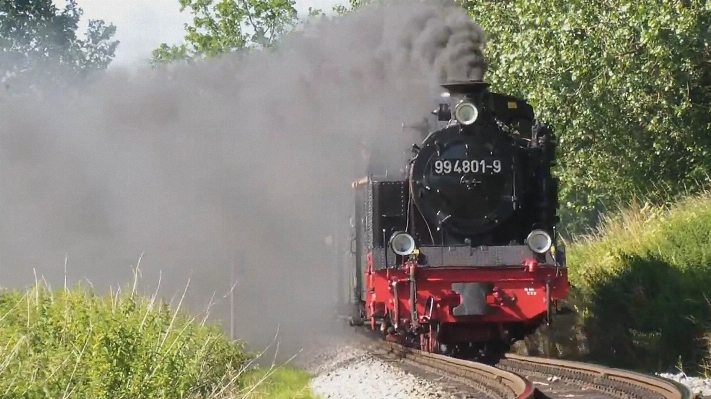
243, 161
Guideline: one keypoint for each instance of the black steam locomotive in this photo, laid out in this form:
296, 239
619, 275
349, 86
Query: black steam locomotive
484, 179
462, 252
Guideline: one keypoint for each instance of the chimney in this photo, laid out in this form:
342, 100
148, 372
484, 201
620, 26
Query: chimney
468, 88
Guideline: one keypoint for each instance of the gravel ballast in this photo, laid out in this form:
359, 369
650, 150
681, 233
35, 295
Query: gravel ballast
344, 370
698, 385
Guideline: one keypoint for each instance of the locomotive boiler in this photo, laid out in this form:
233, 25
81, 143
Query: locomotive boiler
462, 251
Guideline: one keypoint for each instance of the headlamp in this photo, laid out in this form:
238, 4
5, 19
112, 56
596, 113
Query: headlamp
539, 241
402, 243
466, 113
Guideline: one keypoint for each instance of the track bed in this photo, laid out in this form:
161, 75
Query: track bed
523, 377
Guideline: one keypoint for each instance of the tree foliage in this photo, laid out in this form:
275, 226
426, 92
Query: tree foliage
38, 41
221, 26
625, 83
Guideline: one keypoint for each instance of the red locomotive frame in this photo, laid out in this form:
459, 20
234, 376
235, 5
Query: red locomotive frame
523, 296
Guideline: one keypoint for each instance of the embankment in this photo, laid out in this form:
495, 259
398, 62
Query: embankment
642, 284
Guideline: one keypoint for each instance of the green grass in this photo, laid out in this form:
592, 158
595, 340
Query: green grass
281, 383
642, 281
75, 343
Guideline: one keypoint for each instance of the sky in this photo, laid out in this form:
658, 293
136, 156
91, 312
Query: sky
142, 25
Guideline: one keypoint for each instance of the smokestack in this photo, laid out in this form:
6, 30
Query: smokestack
467, 88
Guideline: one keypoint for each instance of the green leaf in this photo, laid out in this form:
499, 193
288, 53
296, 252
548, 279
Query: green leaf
40, 45
222, 26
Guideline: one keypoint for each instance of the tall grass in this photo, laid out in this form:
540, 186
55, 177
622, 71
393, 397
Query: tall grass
80, 344
279, 383
642, 282
645, 277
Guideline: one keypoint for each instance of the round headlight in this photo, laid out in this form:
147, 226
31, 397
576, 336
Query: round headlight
539, 241
466, 113
402, 243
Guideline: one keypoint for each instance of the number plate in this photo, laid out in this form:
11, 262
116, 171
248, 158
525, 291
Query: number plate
462, 166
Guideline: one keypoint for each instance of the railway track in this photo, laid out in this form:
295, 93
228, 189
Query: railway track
523, 377
475, 380
555, 379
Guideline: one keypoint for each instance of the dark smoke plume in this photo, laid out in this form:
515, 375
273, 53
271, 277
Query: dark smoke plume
243, 161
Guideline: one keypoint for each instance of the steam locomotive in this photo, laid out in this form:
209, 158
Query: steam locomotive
462, 253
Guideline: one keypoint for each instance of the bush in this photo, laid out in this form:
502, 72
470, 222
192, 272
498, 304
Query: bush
641, 285
113, 346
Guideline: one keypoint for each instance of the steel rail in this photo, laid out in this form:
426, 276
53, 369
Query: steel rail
621, 383
504, 384
509, 378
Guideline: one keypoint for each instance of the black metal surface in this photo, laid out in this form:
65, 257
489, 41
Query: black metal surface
461, 201
389, 210
512, 255
465, 86
391, 198
461, 256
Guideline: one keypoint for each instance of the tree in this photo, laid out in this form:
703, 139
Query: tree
39, 43
626, 83
221, 26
